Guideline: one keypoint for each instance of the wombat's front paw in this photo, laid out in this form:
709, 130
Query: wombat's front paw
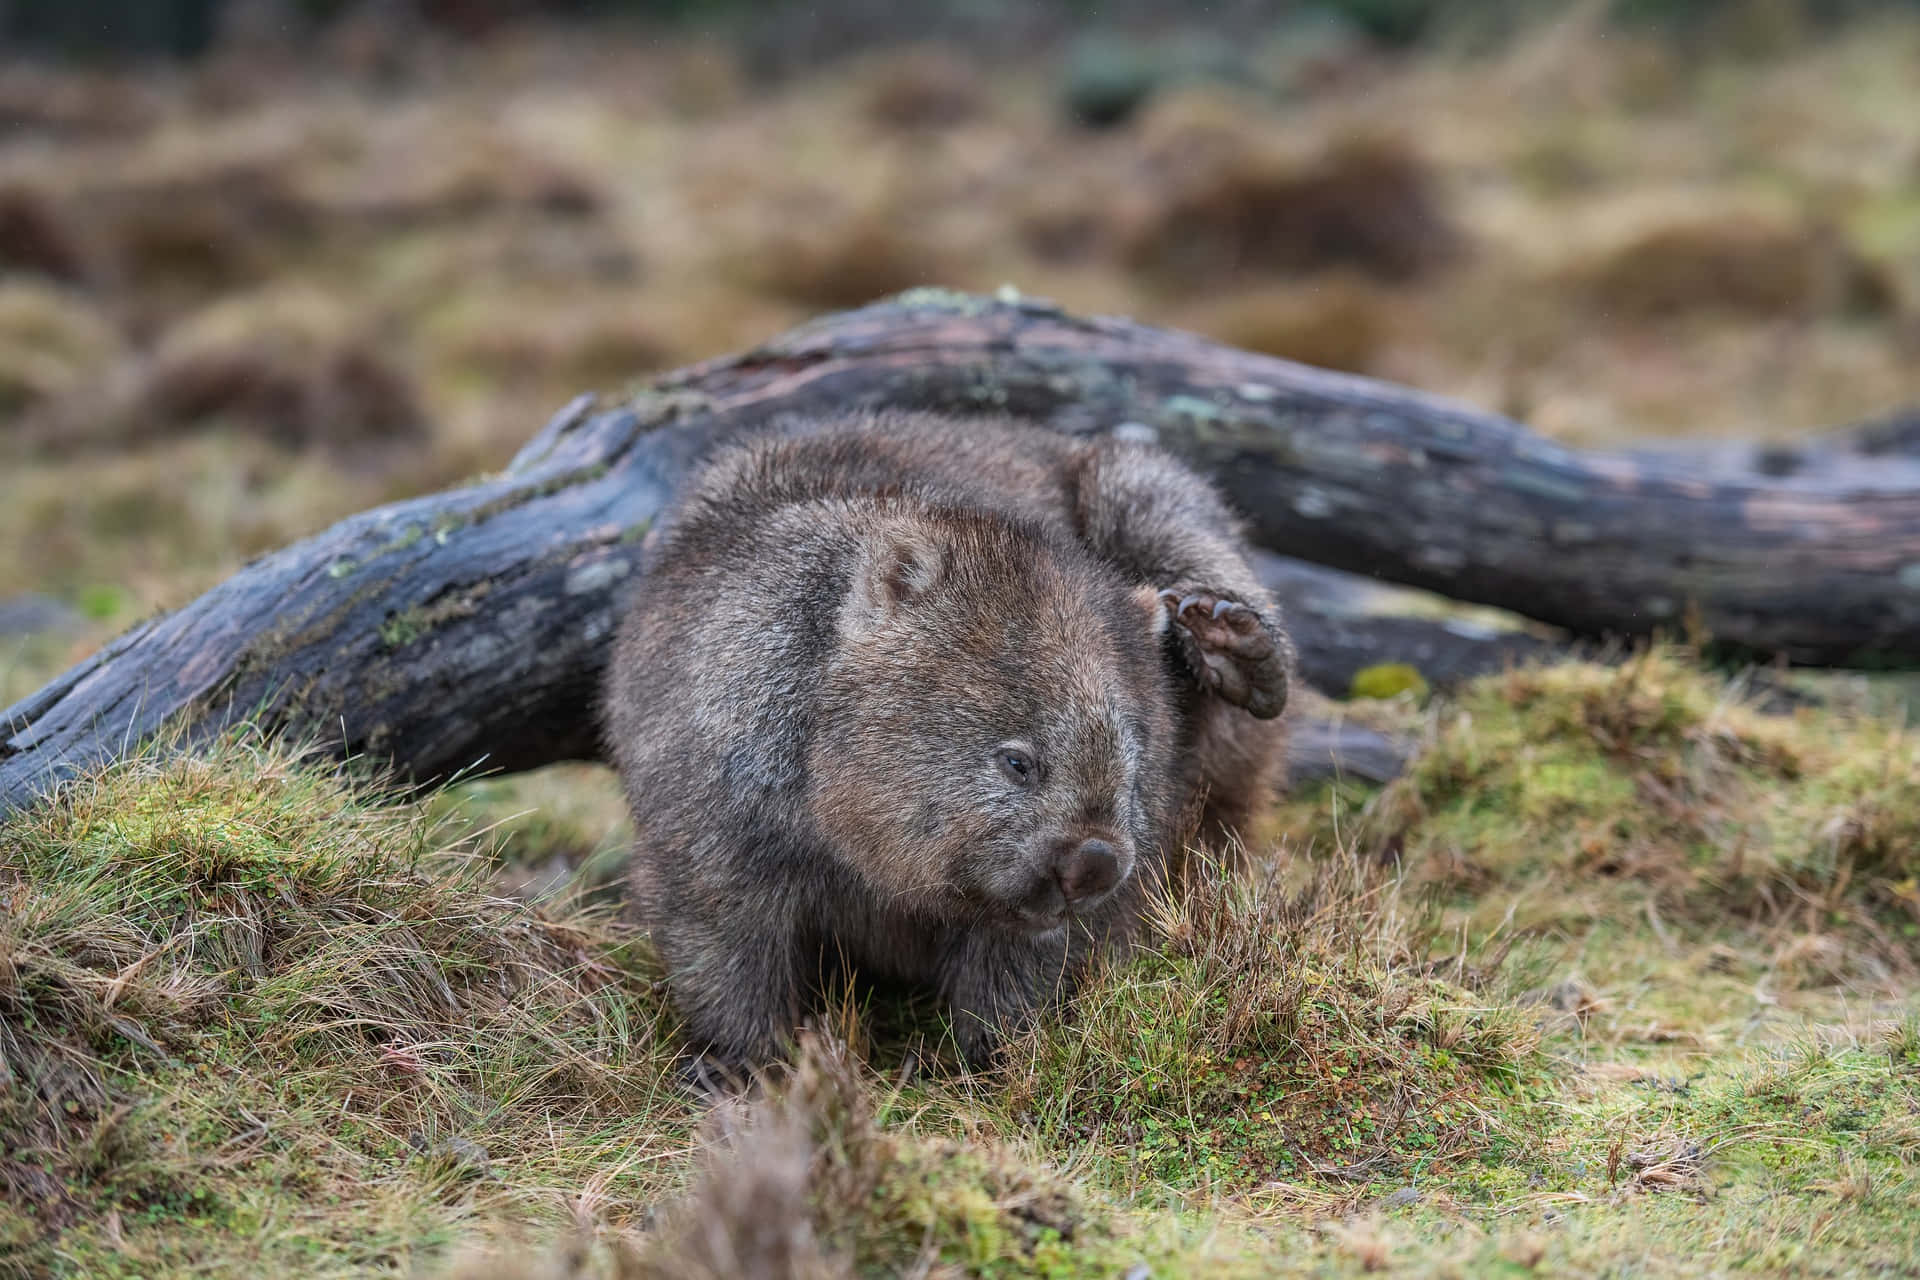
1232, 649
979, 1043
712, 1078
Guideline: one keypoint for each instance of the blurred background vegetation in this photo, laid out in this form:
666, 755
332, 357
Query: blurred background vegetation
266, 262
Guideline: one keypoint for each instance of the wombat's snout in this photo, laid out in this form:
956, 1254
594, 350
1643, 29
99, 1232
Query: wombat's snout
1086, 871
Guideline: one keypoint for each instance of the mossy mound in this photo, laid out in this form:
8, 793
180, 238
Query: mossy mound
1280, 1031
1590, 796
253, 1022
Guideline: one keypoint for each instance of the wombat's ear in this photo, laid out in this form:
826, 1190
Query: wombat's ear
898, 565
1147, 600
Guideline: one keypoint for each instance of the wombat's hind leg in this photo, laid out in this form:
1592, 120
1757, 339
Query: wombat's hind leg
1227, 644
739, 989
994, 984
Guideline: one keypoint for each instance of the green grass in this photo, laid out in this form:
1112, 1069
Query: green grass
256, 1017
1655, 796
1280, 1031
249, 1013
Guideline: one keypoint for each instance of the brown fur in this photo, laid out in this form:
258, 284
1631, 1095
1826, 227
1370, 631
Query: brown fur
843, 633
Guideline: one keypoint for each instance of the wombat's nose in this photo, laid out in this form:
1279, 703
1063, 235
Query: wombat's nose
1087, 871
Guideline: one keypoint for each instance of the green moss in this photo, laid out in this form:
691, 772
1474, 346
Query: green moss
519, 497
102, 602
418, 621
1389, 680
936, 298
1589, 791
402, 629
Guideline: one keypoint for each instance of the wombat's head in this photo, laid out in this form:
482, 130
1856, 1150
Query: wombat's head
994, 732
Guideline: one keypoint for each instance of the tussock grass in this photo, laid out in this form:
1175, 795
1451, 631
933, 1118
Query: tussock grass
255, 1017
924, 89
1594, 797
1737, 262
1241, 208
1286, 1025
817, 1178
252, 1018
292, 365
1336, 321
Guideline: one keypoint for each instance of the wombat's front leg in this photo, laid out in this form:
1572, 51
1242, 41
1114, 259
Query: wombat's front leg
1230, 648
1166, 527
1170, 530
994, 983
737, 984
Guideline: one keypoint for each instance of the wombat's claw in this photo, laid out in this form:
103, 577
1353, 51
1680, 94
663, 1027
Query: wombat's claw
711, 1079
1231, 648
1241, 617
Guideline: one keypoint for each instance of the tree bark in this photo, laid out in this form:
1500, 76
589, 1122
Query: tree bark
468, 628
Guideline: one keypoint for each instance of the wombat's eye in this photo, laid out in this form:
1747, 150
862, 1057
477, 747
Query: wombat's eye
1018, 766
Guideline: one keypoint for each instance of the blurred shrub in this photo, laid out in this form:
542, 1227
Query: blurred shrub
295, 367
177, 28
1392, 22
37, 237
51, 344
925, 88
1107, 80
1401, 24
1369, 203
1740, 262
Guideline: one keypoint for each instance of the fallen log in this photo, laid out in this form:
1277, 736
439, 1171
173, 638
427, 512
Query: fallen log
467, 628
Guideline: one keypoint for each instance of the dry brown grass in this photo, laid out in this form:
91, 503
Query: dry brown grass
605, 344
1739, 263
414, 176
819, 250
53, 344
38, 238
923, 89
1367, 202
290, 366
812, 1151
176, 237
1336, 321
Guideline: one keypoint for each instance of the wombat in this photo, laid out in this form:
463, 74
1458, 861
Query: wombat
938, 698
